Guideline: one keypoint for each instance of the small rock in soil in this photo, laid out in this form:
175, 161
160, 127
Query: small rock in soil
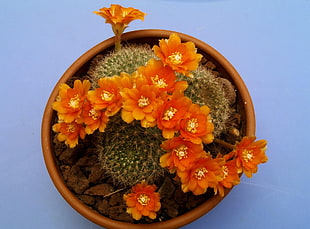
119, 213
170, 207
67, 156
116, 199
194, 201
167, 188
96, 174
103, 206
87, 160
65, 170
77, 181
179, 196
100, 190
89, 200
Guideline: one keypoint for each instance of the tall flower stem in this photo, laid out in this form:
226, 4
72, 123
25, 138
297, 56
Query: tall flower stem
225, 144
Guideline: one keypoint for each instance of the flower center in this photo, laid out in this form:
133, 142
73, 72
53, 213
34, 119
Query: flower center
181, 152
200, 173
93, 114
161, 83
74, 102
192, 125
225, 171
176, 58
247, 155
143, 101
168, 115
70, 128
143, 199
106, 95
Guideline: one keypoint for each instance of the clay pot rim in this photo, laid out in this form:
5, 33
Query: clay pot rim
48, 115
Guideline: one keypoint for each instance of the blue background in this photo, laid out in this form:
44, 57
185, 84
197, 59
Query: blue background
267, 41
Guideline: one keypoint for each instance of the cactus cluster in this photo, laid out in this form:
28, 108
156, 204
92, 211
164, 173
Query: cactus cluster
131, 163
205, 88
126, 60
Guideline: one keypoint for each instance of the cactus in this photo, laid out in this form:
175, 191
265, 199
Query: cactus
205, 88
126, 60
131, 163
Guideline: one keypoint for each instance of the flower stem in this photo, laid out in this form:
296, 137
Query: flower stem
117, 43
225, 144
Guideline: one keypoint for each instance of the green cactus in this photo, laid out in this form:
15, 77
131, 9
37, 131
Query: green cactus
126, 60
205, 88
131, 163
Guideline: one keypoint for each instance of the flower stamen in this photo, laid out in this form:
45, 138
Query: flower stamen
176, 58
247, 155
143, 102
74, 102
200, 173
181, 152
70, 128
225, 171
143, 199
192, 125
93, 114
106, 95
161, 83
168, 115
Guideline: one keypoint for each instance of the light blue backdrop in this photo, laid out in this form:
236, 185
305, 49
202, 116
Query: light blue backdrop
268, 42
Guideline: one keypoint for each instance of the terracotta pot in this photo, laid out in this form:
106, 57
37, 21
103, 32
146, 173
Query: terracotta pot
151, 37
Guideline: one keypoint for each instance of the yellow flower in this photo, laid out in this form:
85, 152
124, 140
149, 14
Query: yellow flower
181, 57
70, 101
249, 153
69, 132
143, 201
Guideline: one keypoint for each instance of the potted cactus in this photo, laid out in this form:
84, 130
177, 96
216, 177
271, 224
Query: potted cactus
148, 127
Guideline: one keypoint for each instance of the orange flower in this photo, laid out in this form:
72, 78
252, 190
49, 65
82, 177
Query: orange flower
250, 153
198, 127
70, 101
140, 103
143, 201
171, 112
107, 96
181, 57
181, 154
205, 172
230, 175
159, 75
94, 119
69, 132
119, 17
